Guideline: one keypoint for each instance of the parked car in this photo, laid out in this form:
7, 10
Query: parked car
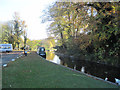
6, 48
41, 52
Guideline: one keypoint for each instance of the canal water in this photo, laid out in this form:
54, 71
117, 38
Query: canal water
99, 70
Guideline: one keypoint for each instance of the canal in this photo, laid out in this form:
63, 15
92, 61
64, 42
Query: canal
96, 69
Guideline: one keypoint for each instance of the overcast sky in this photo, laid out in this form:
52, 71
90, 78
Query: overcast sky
30, 11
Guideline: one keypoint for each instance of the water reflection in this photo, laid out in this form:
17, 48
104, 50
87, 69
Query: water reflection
56, 59
50, 55
74, 67
92, 68
83, 69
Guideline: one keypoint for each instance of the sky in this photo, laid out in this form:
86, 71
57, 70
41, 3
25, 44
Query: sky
30, 11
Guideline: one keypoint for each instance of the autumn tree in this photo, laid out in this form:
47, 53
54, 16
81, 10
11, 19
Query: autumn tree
13, 30
20, 29
89, 27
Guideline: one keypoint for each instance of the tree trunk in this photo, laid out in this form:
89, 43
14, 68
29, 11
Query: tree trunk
69, 30
18, 45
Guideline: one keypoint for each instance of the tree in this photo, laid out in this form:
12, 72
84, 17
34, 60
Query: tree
13, 30
87, 25
7, 33
20, 29
23, 27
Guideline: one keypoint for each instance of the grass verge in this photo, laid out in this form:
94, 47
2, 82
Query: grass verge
34, 72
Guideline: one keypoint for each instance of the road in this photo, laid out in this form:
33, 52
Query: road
6, 57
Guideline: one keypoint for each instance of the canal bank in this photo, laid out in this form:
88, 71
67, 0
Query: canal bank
33, 71
101, 71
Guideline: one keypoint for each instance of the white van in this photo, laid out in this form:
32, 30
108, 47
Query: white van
6, 48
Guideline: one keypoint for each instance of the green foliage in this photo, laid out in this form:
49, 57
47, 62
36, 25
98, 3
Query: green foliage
33, 44
48, 43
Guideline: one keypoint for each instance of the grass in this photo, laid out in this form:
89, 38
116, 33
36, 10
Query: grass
34, 72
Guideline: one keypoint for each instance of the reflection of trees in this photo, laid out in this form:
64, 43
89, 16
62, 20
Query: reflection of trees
50, 55
66, 61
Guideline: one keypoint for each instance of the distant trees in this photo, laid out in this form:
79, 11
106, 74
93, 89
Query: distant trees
13, 30
48, 43
88, 28
33, 44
